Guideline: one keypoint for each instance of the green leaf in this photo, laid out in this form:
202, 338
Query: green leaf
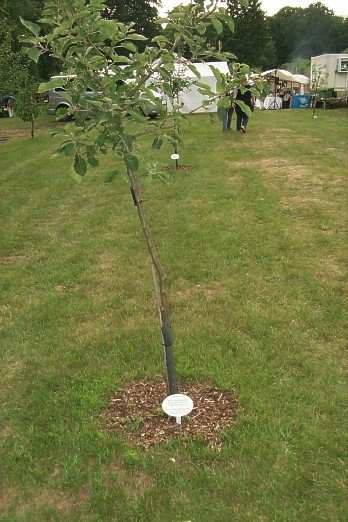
217, 25
194, 69
80, 165
120, 59
91, 158
201, 28
52, 84
33, 53
157, 143
160, 39
245, 108
67, 148
137, 116
33, 28
130, 46
132, 162
135, 36
230, 24
109, 177
108, 29
225, 102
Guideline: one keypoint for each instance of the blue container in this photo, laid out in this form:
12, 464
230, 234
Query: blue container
301, 101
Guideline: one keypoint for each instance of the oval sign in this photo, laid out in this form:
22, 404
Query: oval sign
175, 157
177, 405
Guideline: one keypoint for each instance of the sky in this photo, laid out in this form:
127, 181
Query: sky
340, 7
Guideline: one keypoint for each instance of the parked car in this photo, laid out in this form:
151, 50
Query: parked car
6, 106
58, 101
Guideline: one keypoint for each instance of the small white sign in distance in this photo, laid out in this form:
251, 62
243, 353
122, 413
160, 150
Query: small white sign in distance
175, 156
177, 405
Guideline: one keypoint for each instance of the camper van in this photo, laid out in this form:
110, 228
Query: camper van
333, 69
57, 99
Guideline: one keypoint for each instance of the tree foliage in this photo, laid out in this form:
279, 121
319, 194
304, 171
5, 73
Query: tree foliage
142, 13
251, 40
12, 63
264, 42
306, 32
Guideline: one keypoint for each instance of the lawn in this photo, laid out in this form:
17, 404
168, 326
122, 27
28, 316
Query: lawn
254, 239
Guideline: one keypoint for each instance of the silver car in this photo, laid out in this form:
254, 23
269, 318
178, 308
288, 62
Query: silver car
57, 100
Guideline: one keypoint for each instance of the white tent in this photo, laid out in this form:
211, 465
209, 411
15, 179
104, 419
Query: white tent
287, 76
281, 74
190, 99
300, 78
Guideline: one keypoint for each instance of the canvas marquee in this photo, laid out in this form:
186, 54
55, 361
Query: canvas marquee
190, 98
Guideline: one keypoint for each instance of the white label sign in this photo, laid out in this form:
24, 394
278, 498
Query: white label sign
177, 405
175, 156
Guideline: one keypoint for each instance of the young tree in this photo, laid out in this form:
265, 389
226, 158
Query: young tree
27, 100
318, 82
90, 47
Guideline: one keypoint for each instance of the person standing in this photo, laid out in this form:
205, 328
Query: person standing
247, 98
286, 100
225, 116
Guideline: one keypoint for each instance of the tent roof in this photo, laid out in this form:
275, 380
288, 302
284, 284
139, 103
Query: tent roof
282, 74
301, 78
203, 68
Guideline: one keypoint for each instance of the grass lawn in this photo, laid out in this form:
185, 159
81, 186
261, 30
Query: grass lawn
254, 239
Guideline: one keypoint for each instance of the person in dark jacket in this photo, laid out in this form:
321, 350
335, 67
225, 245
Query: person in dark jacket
242, 118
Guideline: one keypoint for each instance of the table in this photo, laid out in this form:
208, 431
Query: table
272, 102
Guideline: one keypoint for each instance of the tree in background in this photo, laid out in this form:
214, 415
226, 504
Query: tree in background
298, 66
299, 32
18, 78
142, 13
11, 62
251, 41
11, 12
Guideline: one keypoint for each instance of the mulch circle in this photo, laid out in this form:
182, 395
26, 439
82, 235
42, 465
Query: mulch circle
172, 168
136, 413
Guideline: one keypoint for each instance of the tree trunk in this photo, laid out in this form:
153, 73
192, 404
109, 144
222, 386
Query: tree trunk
160, 285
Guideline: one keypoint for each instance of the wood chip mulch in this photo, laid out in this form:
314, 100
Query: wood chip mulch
136, 413
173, 168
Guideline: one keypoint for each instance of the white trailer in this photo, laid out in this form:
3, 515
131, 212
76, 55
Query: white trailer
333, 70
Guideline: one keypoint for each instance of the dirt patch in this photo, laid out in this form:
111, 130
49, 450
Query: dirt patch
58, 501
6, 432
135, 483
136, 413
329, 268
273, 164
209, 292
7, 497
63, 289
9, 260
